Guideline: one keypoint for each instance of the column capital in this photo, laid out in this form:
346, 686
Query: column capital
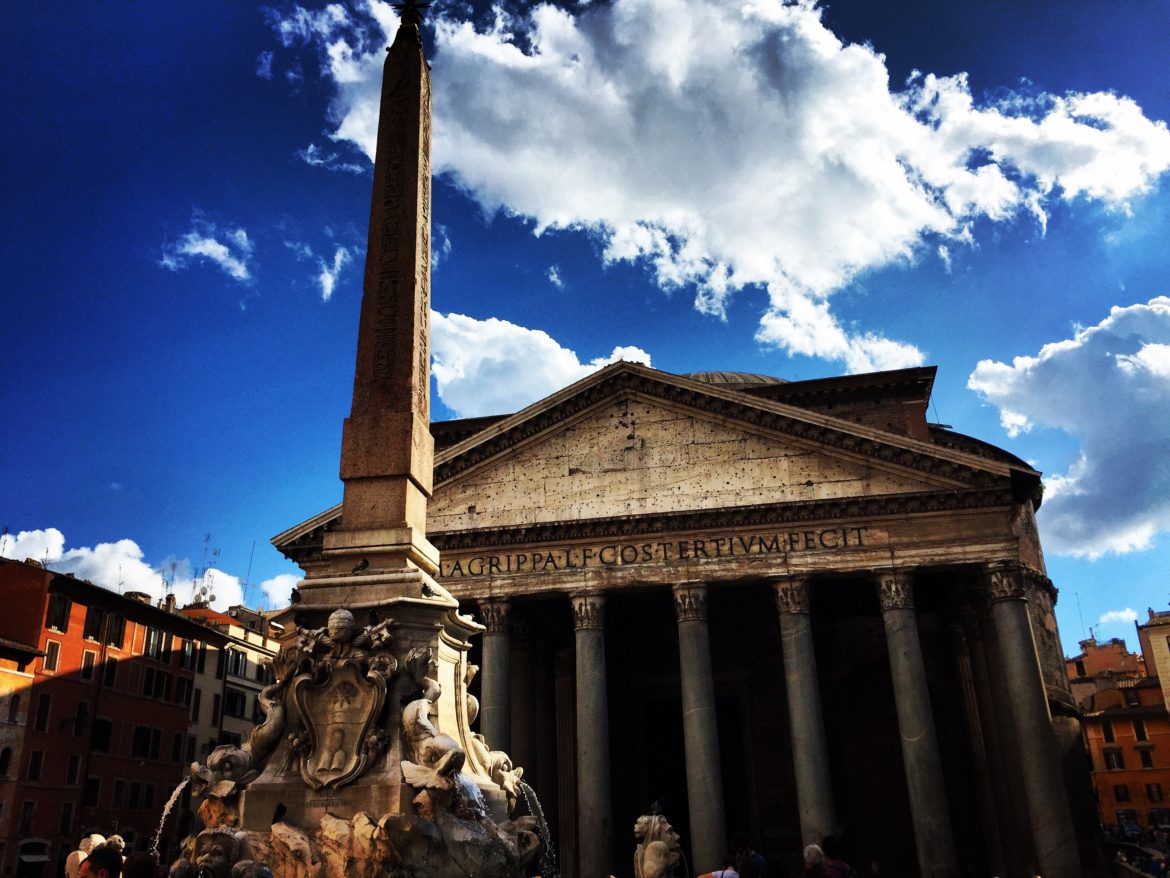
793, 594
690, 601
588, 609
496, 613
895, 589
1004, 581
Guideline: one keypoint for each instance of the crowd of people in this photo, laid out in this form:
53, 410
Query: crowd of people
826, 860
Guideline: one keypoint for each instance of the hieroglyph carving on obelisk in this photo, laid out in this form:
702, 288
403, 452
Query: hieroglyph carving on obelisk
387, 452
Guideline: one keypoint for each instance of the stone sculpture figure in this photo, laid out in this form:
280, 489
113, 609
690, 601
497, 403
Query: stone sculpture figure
657, 853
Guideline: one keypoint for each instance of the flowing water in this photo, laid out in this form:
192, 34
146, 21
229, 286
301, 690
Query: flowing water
178, 791
548, 856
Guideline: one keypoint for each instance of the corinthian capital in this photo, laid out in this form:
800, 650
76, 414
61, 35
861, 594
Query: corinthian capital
690, 602
588, 609
496, 613
895, 590
1005, 581
793, 595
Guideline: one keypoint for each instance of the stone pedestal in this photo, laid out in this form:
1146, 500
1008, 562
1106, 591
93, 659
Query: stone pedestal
929, 811
594, 803
700, 729
814, 788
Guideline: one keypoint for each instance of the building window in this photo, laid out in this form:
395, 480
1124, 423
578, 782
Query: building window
1131, 697
58, 616
1147, 757
140, 743
99, 740
27, 810
1107, 730
264, 673
5, 761
215, 709
187, 655
1154, 792
135, 794
66, 818
115, 630
87, 659
196, 704
13, 707
80, 718
177, 747
72, 769
237, 663
230, 738
52, 655
93, 623
235, 703
119, 793
148, 796
1113, 759
1139, 729
153, 645
156, 684
183, 691
35, 758
1121, 792
201, 663
44, 704
111, 672
190, 748
1080, 668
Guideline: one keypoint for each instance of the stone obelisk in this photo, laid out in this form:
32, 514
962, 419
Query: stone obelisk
387, 451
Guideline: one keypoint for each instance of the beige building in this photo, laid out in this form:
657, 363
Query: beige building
16, 679
787, 608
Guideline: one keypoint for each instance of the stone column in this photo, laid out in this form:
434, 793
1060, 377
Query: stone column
700, 729
929, 811
1053, 837
594, 804
495, 709
814, 788
523, 722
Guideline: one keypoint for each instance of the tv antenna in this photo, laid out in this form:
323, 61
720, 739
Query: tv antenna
201, 583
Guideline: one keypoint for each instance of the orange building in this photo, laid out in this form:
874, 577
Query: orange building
1102, 666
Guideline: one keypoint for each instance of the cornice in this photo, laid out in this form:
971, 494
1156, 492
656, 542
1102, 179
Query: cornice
810, 428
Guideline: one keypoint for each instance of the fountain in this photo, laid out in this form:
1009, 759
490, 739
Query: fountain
365, 765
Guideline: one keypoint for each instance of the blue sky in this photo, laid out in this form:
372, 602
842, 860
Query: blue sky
789, 189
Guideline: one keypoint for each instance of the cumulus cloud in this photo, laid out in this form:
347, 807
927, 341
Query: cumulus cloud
1126, 615
491, 367
728, 148
440, 245
319, 157
120, 566
329, 272
264, 64
229, 249
1109, 386
554, 277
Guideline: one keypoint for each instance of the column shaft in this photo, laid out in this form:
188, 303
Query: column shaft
495, 707
929, 811
1052, 827
814, 788
522, 725
594, 805
700, 729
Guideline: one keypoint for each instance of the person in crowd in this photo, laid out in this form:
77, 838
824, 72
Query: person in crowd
728, 870
748, 863
814, 862
104, 861
140, 864
835, 864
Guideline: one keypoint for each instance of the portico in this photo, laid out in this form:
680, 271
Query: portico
781, 607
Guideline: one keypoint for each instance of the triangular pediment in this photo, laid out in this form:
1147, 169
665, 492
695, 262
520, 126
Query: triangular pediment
631, 441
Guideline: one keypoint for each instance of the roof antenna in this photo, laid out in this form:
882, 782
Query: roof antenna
3, 541
1080, 612
248, 576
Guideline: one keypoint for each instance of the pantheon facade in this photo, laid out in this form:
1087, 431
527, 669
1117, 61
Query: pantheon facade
785, 608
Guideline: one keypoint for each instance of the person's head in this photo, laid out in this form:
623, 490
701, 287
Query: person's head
103, 862
740, 843
813, 856
832, 847
140, 864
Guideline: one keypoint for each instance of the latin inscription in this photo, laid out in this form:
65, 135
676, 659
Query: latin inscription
658, 551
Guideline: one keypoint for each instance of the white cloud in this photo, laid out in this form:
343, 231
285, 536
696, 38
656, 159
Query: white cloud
440, 245
121, 567
327, 277
279, 588
229, 249
725, 148
1109, 386
554, 277
319, 157
491, 367
264, 64
1126, 615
